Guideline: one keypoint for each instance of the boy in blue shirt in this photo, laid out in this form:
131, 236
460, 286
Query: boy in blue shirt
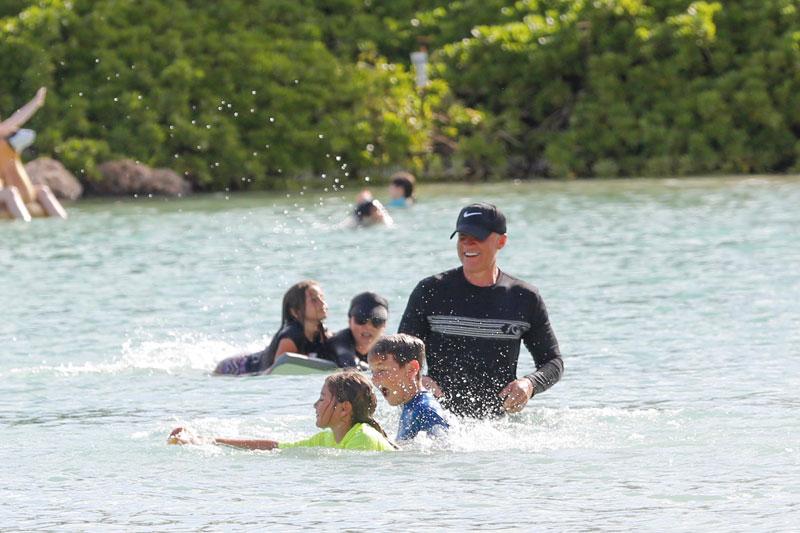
396, 363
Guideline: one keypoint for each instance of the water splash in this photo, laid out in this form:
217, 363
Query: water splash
541, 430
180, 353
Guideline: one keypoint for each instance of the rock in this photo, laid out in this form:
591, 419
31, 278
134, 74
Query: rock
46, 171
517, 167
127, 177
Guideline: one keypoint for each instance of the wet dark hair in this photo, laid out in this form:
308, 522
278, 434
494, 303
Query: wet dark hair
351, 386
364, 209
402, 347
404, 180
295, 300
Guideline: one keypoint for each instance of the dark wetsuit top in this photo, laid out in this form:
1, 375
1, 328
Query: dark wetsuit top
341, 349
472, 338
293, 330
260, 361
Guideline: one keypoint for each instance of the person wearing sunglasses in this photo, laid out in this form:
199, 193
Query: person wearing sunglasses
367, 322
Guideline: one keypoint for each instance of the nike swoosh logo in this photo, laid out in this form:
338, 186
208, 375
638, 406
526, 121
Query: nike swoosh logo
471, 214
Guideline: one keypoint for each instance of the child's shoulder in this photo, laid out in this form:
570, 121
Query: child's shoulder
363, 436
323, 439
421, 413
425, 401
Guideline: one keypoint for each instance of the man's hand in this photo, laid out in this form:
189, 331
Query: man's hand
516, 394
432, 386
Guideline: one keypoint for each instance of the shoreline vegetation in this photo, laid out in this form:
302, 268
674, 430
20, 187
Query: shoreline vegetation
343, 197
277, 95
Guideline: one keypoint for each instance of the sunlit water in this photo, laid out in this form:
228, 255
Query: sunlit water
677, 305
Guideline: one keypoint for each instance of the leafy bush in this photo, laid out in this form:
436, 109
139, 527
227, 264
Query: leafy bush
274, 93
636, 87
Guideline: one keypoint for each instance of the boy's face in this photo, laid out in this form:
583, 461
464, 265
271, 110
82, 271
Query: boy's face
397, 384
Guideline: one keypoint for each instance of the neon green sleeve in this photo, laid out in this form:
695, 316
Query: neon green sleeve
360, 437
322, 439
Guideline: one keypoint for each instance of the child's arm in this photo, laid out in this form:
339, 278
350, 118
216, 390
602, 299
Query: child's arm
382, 214
248, 444
186, 436
21, 116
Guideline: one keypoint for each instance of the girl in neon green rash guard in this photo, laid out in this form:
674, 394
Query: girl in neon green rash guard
345, 407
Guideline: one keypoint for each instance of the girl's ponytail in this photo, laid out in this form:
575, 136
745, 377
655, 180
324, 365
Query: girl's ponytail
376, 426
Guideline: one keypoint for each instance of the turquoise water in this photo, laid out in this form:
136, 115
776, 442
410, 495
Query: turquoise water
676, 302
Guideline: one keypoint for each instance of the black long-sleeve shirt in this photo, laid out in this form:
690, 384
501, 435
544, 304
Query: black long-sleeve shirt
472, 338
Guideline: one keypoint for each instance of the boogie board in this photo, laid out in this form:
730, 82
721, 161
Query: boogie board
294, 364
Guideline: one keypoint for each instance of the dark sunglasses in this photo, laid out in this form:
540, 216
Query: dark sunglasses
377, 322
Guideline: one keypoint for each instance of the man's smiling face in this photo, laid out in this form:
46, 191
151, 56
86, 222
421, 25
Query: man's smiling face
476, 255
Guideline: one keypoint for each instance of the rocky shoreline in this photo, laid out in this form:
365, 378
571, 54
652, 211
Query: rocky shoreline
123, 177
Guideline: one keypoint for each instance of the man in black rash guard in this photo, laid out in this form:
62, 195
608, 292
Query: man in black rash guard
472, 320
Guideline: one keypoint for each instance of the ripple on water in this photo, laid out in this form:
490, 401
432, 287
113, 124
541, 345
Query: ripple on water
674, 303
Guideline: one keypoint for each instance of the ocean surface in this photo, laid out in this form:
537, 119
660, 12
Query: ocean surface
676, 304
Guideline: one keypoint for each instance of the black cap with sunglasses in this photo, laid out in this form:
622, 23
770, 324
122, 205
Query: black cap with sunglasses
369, 306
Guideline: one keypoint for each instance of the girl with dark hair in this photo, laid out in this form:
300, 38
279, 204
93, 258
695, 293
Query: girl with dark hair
345, 409
302, 331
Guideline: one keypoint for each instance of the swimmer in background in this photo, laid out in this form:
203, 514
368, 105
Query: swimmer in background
396, 363
369, 211
401, 189
367, 321
302, 331
345, 409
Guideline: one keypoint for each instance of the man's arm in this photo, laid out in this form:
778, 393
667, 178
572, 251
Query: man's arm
541, 342
543, 345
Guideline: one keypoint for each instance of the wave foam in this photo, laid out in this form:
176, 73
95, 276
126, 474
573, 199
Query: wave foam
182, 352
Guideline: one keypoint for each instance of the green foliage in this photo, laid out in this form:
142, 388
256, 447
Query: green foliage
261, 94
630, 87
232, 95
82, 156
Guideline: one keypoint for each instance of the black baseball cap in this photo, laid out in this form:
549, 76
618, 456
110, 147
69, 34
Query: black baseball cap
480, 220
369, 305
